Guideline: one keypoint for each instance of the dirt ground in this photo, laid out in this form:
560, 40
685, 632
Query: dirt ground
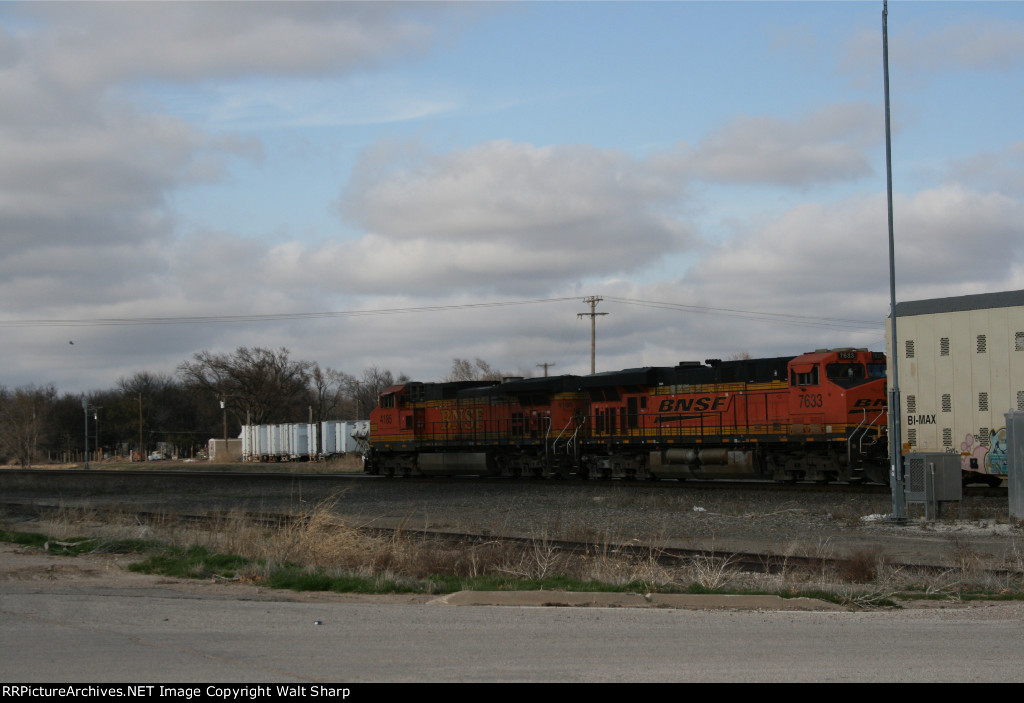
825, 524
31, 567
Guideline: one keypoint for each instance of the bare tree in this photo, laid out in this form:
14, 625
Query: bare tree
334, 394
370, 385
166, 408
478, 370
24, 419
257, 384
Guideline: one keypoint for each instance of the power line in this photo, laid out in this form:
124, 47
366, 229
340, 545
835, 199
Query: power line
207, 319
780, 318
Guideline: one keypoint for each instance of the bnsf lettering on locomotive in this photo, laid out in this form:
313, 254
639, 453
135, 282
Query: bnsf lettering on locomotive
870, 403
462, 420
688, 404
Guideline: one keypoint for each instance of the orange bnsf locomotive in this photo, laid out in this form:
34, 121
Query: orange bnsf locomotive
820, 416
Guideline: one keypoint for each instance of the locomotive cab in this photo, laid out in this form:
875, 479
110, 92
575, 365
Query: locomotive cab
838, 396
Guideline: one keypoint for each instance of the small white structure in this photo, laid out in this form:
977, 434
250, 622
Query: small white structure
218, 451
961, 369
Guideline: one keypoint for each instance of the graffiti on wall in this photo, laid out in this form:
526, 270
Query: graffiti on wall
978, 457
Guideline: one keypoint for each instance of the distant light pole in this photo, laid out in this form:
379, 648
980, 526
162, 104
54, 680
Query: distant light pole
96, 416
85, 411
224, 410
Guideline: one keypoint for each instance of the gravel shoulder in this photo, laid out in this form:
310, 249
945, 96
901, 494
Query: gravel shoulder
722, 521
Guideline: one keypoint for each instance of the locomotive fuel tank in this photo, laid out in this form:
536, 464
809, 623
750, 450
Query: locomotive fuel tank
704, 464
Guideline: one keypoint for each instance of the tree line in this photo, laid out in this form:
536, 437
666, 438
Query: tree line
208, 396
181, 412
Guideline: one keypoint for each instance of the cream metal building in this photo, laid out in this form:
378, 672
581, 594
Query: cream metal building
961, 369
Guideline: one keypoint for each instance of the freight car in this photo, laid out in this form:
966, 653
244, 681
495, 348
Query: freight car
961, 369
304, 441
820, 416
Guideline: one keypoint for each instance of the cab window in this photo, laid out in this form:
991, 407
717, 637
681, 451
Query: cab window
846, 375
844, 372
804, 377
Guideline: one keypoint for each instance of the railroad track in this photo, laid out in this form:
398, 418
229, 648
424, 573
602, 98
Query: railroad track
750, 562
30, 476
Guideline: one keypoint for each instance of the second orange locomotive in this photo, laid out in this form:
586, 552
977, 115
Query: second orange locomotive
819, 416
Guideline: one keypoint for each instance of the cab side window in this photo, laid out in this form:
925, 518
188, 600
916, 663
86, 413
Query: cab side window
804, 378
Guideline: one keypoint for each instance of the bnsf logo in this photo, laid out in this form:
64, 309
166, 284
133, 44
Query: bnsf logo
688, 404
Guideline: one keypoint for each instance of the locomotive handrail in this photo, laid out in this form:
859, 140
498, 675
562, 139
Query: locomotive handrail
575, 443
860, 440
853, 435
876, 417
554, 444
547, 435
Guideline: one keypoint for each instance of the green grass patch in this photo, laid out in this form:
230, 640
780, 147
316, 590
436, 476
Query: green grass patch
200, 562
297, 578
77, 545
193, 562
27, 539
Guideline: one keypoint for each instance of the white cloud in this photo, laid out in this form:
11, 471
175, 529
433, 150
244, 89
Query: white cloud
509, 216
828, 145
1002, 171
95, 44
970, 44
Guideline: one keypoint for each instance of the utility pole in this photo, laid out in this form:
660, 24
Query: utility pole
545, 367
592, 301
85, 409
899, 500
142, 451
224, 412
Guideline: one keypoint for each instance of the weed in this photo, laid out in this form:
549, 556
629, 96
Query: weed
861, 565
713, 572
966, 560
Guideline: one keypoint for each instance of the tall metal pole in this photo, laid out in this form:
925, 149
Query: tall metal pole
899, 503
224, 412
592, 301
142, 451
85, 409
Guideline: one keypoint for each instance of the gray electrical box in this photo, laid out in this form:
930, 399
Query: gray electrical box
933, 478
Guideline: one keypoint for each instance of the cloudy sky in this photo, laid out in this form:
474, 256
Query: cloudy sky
399, 184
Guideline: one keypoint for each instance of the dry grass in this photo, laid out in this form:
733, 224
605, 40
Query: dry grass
319, 541
862, 565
